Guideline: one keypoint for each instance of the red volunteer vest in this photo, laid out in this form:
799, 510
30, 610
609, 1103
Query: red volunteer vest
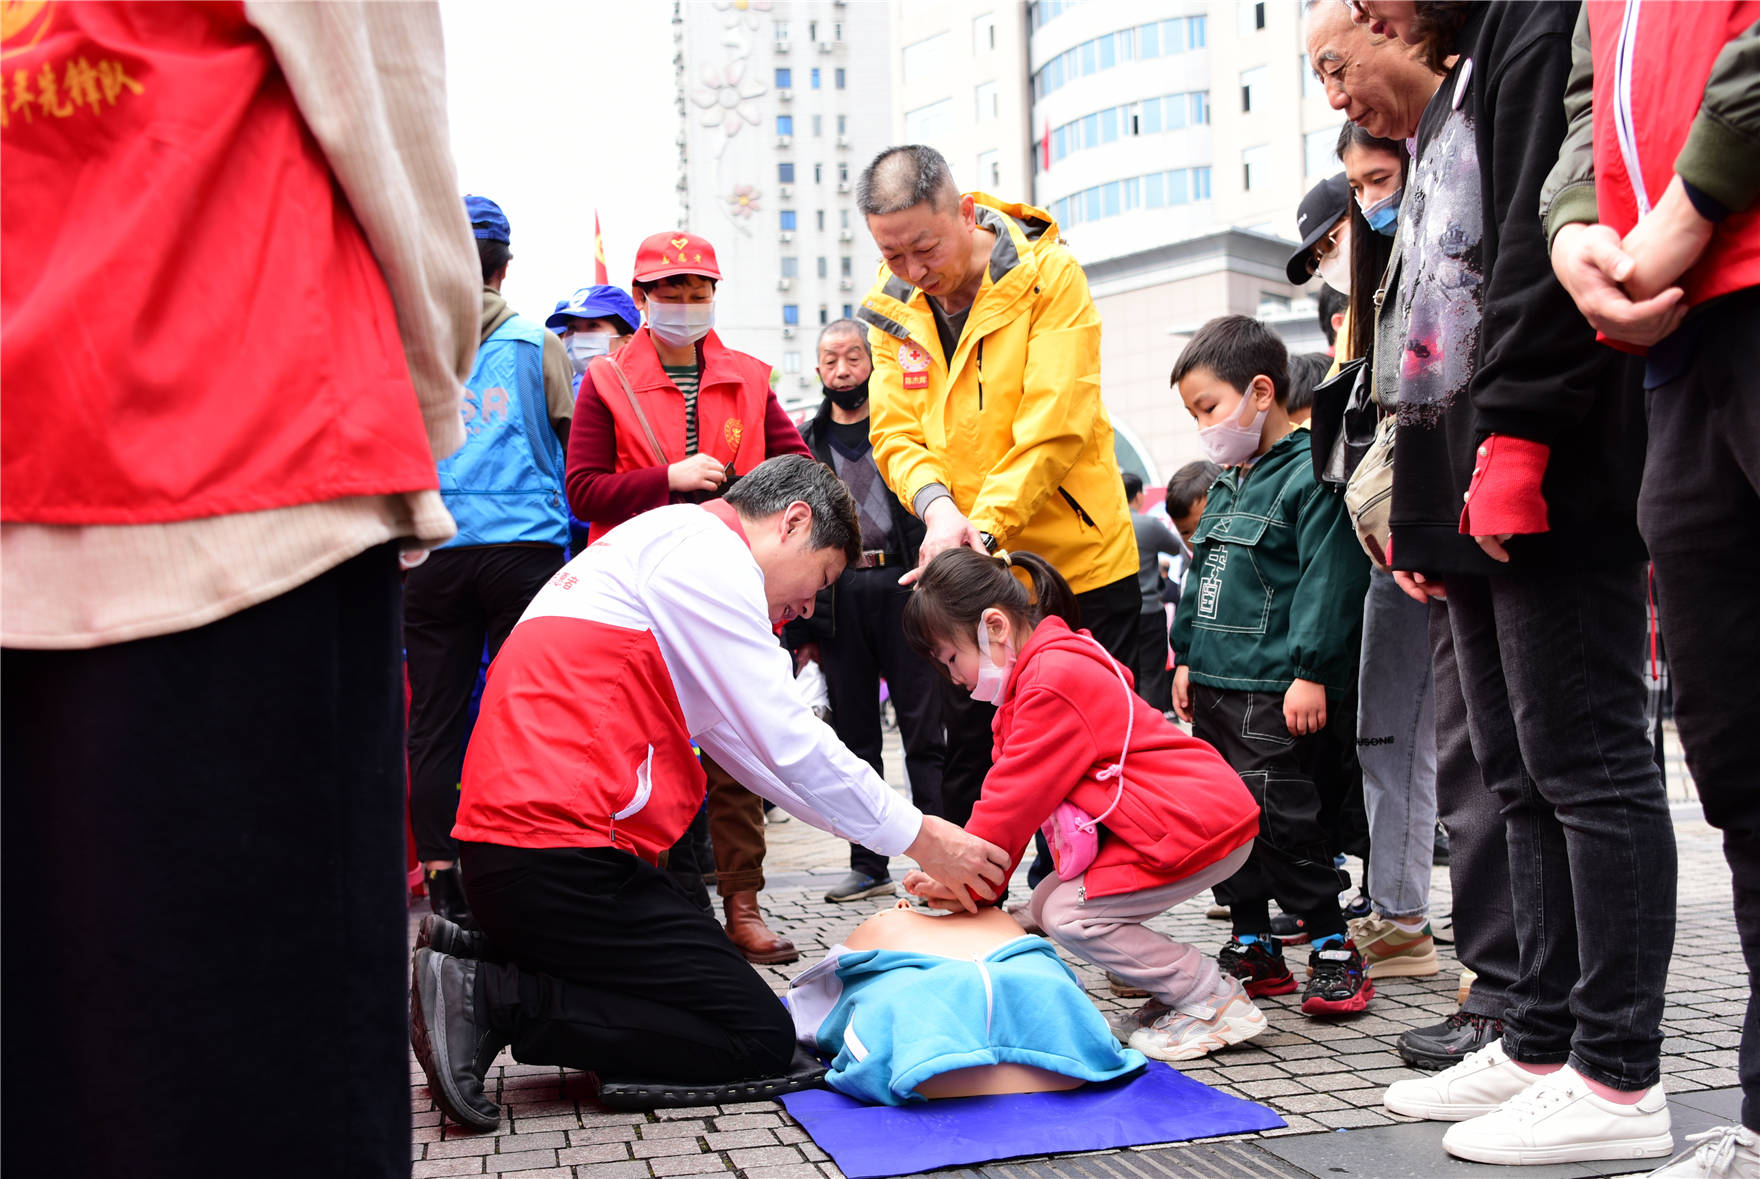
194, 322
1676, 45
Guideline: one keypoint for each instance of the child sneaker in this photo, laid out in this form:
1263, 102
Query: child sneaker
1125, 1024
1558, 1120
1338, 984
1476, 1086
1192, 1030
1258, 965
1392, 952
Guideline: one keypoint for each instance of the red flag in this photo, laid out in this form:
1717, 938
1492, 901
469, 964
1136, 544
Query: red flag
599, 273
1045, 146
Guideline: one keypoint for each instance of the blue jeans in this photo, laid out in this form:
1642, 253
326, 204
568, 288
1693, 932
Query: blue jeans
1396, 746
1550, 663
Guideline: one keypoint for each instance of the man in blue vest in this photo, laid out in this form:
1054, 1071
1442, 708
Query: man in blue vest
505, 490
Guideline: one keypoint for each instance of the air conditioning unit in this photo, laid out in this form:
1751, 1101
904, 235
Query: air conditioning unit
846, 284
825, 47
785, 96
785, 191
785, 236
785, 284
782, 44
788, 333
843, 141
843, 186
846, 235
785, 141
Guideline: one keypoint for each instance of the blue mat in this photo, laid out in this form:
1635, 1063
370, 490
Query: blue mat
1159, 1104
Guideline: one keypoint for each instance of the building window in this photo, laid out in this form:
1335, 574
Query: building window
987, 104
927, 124
784, 78
845, 267
824, 267
785, 124
782, 32
791, 362
1252, 15
1142, 43
842, 173
1255, 166
840, 76
849, 310
837, 30
984, 33
819, 224
1253, 84
824, 315
843, 218
1318, 160
815, 77
990, 170
791, 267
787, 218
926, 60
812, 30
785, 173
818, 126
818, 178
791, 314
843, 121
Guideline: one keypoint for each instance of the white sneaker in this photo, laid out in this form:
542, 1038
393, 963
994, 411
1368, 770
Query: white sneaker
1728, 1152
1481, 1082
1198, 1029
1125, 1024
1558, 1120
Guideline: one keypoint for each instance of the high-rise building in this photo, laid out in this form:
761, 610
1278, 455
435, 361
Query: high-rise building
783, 104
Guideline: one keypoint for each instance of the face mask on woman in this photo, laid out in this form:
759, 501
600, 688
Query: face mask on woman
1383, 215
1335, 269
679, 325
584, 346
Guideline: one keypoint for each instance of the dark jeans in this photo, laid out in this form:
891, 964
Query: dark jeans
1154, 681
609, 965
203, 876
1110, 613
453, 603
1700, 515
1291, 860
1550, 665
1478, 858
865, 643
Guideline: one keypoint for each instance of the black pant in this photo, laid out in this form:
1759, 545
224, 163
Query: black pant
1550, 664
202, 864
1478, 853
866, 642
1291, 861
1154, 681
611, 966
453, 603
1700, 515
1110, 614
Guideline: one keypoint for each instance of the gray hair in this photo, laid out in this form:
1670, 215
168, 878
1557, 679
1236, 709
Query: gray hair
773, 484
845, 327
902, 178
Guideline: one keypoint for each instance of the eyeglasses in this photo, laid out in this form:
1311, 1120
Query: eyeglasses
1323, 248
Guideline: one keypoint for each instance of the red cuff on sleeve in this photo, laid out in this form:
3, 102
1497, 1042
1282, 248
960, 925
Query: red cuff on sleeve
1504, 497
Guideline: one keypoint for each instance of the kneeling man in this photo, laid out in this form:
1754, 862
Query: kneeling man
581, 772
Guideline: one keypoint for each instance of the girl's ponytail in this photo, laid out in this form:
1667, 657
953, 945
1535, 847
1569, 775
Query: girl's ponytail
1051, 593
960, 584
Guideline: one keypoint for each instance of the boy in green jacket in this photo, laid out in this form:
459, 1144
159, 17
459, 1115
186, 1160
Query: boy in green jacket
1267, 634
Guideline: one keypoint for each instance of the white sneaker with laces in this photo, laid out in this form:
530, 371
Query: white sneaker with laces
1481, 1082
1559, 1120
1727, 1152
1192, 1030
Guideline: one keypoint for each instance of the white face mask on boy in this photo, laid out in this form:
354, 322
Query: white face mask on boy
1230, 443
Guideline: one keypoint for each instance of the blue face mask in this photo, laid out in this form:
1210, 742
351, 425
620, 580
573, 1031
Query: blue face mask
1383, 215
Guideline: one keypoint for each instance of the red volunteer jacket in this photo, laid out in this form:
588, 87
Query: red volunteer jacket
1061, 722
195, 323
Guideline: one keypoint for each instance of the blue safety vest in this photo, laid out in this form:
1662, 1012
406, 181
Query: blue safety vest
505, 486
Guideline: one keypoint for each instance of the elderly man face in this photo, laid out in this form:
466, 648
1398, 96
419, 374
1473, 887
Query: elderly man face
1376, 81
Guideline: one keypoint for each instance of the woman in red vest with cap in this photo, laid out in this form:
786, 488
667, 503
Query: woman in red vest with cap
673, 418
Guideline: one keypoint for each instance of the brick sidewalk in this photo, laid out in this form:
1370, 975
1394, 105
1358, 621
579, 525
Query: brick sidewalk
1322, 1077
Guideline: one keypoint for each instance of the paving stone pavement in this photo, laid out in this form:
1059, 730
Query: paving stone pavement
1322, 1077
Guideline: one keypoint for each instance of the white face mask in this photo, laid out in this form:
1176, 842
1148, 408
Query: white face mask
679, 325
991, 678
1229, 443
584, 346
1335, 268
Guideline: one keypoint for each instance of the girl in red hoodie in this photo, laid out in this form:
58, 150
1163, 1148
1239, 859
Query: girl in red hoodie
1140, 815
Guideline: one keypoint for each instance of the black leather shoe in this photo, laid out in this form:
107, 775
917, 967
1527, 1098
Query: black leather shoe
452, 940
452, 1049
1446, 1044
804, 1072
446, 895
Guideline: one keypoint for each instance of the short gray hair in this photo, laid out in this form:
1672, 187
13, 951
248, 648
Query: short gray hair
845, 327
904, 177
773, 484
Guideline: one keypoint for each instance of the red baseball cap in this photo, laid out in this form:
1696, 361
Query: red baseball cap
663, 255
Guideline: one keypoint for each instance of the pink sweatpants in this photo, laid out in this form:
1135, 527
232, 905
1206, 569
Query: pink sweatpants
1109, 931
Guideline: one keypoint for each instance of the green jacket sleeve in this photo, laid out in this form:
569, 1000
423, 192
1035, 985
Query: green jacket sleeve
1568, 196
1326, 610
1721, 156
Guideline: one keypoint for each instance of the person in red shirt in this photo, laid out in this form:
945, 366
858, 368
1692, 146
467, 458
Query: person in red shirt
1139, 815
674, 417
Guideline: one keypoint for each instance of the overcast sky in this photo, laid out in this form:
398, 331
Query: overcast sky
558, 107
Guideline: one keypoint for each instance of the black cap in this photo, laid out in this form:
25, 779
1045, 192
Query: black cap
1323, 207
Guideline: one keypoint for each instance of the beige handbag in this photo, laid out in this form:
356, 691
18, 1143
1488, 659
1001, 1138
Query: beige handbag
1368, 497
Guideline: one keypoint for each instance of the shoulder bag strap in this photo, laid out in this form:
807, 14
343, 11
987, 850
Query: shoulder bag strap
635, 404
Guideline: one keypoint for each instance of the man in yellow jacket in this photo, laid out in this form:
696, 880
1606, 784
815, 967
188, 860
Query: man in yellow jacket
985, 404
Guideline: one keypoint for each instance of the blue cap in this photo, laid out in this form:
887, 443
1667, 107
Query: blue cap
596, 302
488, 222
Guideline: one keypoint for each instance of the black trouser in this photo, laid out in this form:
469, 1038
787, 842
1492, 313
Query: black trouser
1110, 614
1550, 663
454, 603
1154, 681
203, 877
1700, 515
611, 966
1291, 861
1478, 852
865, 643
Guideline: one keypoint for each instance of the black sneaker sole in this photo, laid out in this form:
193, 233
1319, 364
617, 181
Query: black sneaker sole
425, 996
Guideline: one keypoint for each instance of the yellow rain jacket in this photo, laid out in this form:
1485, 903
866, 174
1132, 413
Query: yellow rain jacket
1012, 424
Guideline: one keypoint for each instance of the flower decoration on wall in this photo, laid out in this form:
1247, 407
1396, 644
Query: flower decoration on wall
740, 13
742, 202
724, 96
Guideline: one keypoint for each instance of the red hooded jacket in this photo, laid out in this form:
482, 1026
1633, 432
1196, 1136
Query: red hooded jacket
1062, 722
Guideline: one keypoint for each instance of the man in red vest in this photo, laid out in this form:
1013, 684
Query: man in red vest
205, 490
673, 417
